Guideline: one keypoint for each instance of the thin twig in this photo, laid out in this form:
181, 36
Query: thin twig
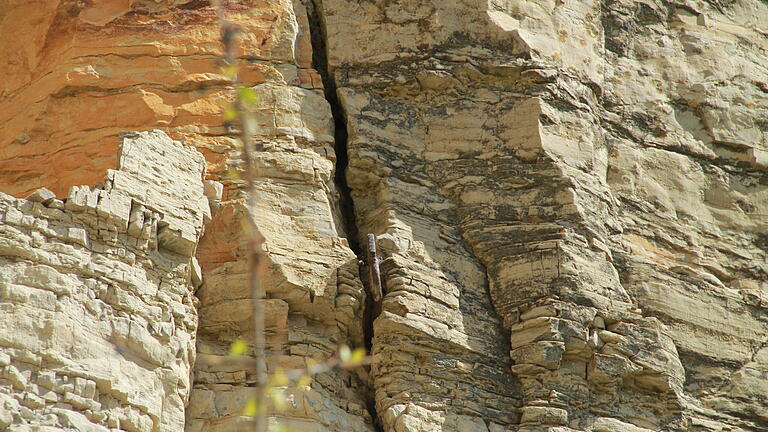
229, 33
346, 358
374, 273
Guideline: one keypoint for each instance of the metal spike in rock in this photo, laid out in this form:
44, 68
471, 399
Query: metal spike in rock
374, 274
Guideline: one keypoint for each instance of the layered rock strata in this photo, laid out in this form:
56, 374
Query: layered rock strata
570, 199
96, 291
79, 72
314, 293
588, 170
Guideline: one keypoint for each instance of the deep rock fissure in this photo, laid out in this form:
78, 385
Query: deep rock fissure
320, 63
318, 37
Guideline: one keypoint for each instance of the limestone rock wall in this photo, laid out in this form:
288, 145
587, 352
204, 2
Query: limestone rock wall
314, 293
593, 171
570, 199
98, 314
76, 73
315, 296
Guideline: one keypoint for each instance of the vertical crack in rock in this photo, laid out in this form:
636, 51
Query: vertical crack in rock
320, 63
318, 37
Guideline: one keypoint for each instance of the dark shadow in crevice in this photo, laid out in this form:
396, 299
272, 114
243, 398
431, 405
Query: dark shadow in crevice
318, 35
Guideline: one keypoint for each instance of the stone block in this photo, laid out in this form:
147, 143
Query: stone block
12, 216
78, 235
82, 199
6, 416
196, 274
49, 396
180, 239
33, 401
78, 421
758, 157
536, 329
604, 369
42, 196
539, 311
470, 424
543, 415
607, 424
17, 379
115, 208
547, 354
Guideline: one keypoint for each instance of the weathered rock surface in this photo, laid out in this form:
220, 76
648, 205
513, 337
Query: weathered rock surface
570, 200
80, 72
315, 296
596, 168
98, 314
77, 73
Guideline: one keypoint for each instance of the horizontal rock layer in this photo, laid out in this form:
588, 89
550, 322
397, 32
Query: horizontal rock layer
570, 201
592, 174
98, 313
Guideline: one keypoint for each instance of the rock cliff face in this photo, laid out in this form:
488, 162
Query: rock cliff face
98, 314
596, 172
570, 199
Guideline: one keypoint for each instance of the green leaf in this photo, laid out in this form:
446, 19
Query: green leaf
279, 378
238, 348
350, 359
247, 95
358, 355
246, 226
230, 114
233, 174
312, 366
230, 71
304, 381
251, 408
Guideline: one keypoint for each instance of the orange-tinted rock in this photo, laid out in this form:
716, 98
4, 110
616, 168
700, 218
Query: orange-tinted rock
78, 73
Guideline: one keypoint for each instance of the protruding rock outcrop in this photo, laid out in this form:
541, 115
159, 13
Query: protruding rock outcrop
569, 201
98, 316
584, 177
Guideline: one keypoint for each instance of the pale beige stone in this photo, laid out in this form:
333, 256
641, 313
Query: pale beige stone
543, 178
100, 359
